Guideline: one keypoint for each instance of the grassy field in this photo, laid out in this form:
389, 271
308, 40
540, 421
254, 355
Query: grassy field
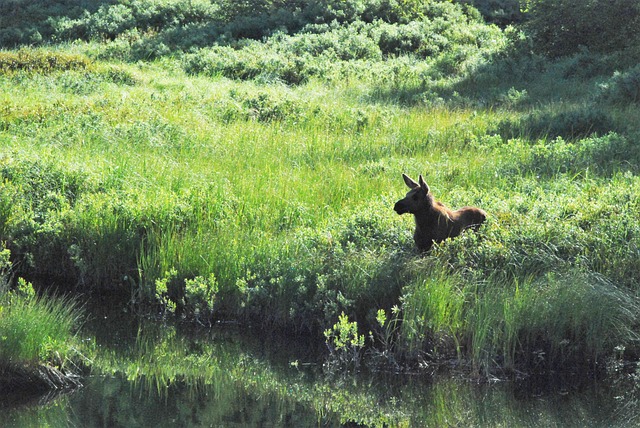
195, 172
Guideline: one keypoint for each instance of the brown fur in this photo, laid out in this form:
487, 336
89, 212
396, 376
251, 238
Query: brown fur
434, 221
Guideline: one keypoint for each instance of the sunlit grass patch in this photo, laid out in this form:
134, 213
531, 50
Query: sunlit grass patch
36, 330
41, 61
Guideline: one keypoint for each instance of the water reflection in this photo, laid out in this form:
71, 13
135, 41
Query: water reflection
148, 375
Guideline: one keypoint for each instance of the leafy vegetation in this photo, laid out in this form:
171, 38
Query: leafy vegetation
37, 342
560, 28
207, 161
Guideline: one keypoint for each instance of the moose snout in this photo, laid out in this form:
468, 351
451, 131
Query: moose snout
400, 208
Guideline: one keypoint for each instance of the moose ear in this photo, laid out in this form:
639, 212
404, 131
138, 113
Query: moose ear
423, 184
409, 182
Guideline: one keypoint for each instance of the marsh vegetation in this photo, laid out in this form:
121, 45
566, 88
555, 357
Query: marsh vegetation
205, 161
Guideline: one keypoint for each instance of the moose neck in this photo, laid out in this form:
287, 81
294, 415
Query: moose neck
433, 217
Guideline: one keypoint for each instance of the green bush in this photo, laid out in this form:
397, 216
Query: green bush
245, 64
266, 107
344, 342
569, 124
604, 155
41, 61
62, 225
195, 298
586, 64
622, 88
353, 266
26, 23
415, 37
346, 42
110, 21
192, 19
562, 27
354, 51
501, 12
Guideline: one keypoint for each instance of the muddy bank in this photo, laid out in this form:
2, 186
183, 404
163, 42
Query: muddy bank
35, 379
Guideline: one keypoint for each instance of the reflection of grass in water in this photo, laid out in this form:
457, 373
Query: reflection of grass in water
161, 359
35, 414
159, 362
226, 374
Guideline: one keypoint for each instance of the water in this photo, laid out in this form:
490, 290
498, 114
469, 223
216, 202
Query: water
165, 376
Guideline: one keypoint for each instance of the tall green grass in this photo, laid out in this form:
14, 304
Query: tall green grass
35, 330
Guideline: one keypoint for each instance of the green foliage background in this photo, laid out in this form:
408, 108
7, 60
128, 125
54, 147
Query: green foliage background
221, 160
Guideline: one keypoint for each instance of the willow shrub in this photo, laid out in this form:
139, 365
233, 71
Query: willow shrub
623, 88
448, 47
574, 123
354, 265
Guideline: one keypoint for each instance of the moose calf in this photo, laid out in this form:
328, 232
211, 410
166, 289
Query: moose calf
434, 221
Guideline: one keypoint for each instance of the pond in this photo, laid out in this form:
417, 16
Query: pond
151, 375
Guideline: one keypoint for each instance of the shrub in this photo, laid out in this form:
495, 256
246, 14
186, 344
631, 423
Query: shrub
118, 75
199, 297
245, 64
109, 22
348, 42
562, 27
353, 266
344, 342
622, 88
44, 184
569, 124
353, 51
260, 105
501, 12
40, 61
323, 11
604, 155
62, 225
23, 23
266, 108
587, 64
421, 38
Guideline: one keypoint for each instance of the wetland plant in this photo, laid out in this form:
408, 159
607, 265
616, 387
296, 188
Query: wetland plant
37, 342
345, 344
